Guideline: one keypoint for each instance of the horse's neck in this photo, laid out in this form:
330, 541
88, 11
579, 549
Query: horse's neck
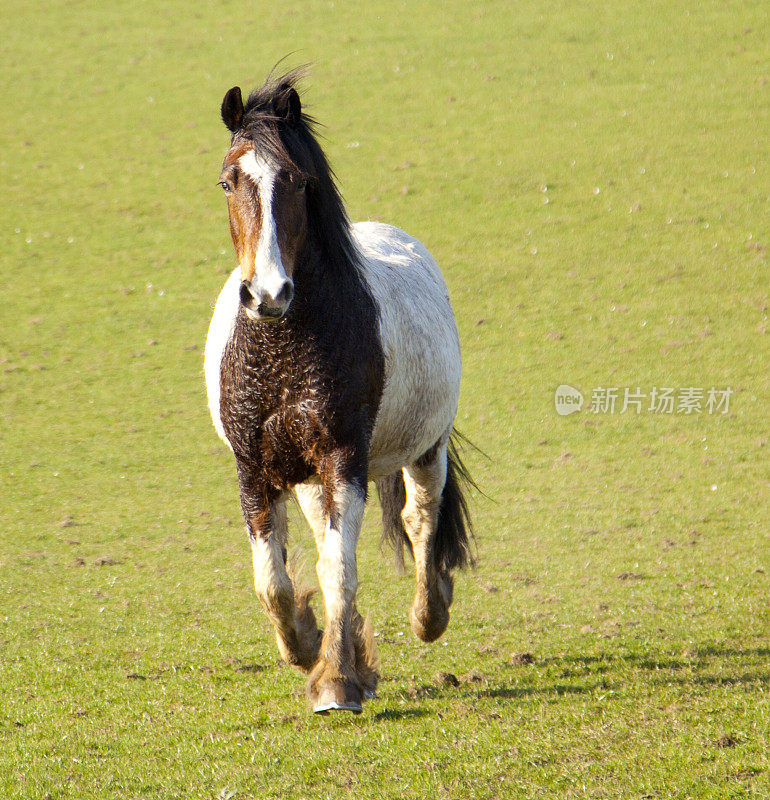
321, 276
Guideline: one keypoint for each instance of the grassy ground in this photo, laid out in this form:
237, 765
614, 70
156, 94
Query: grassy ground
594, 182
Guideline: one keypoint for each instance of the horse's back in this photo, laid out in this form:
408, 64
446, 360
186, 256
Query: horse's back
420, 343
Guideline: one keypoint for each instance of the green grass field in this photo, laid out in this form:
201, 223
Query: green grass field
593, 180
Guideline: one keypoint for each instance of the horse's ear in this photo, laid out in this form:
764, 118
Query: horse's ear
232, 109
288, 107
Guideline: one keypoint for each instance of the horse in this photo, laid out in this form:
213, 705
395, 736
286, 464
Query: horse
332, 360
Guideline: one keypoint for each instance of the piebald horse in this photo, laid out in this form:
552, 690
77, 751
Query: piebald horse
332, 360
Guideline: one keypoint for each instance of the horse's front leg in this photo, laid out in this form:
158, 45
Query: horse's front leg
346, 670
286, 604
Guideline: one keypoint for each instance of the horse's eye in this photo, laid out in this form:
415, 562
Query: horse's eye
226, 186
295, 180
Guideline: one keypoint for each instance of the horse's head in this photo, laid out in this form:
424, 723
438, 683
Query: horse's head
264, 177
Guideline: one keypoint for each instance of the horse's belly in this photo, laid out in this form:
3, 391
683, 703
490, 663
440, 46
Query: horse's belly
420, 343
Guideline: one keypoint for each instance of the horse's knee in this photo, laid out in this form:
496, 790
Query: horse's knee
336, 567
286, 603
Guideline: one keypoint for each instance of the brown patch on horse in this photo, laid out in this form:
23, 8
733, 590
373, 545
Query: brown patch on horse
283, 424
244, 209
236, 151
244, 231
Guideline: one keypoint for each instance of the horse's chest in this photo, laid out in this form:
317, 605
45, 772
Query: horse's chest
270, 413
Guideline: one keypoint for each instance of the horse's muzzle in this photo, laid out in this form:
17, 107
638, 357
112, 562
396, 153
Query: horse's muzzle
266, 308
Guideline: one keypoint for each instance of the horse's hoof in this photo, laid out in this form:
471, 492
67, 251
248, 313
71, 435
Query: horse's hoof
338, 697
428, 627
324, 710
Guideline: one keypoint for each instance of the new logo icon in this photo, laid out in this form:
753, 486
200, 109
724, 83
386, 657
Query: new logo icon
567, 400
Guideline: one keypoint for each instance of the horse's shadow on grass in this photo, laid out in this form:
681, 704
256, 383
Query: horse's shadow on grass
601, 673
476, 691
494, 692
700, 656
559, 689
700, 659
392, 714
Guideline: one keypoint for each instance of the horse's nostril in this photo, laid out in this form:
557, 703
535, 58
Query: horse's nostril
263, 304
286, 294
245, 294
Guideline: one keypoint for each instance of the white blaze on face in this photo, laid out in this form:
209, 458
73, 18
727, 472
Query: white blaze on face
269, 274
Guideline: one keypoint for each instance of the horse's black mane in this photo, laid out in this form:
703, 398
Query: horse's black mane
294, 145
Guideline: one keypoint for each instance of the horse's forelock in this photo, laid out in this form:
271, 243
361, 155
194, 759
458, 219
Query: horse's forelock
281, 138
290, 141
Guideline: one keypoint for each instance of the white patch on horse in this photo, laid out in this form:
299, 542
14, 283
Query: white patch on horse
420, 343
271, 580
310, 499
220, 331
269, 274
336, 566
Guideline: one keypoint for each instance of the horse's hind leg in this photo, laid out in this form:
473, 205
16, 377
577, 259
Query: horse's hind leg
286, 603
346, 671
424, 481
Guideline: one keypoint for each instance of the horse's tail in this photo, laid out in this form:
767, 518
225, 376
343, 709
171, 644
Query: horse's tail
392, 494
454, 530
